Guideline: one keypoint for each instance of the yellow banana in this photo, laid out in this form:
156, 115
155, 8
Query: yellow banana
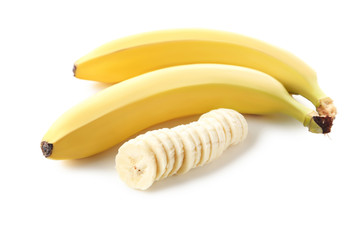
121, 110
134, 55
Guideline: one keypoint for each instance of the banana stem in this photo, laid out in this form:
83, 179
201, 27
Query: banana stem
74, 70
326, 107
46, 148
310, 118
318, 124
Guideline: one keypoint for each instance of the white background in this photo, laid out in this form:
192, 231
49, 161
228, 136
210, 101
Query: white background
282, 183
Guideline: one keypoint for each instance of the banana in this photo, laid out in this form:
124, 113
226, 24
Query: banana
179, 150
196, 138
138, 164
214, 141
233, 123
135, 171
221, 119
205, 142
234, 119
119, 111
134, 55
169, 149
157, 147
190, 150
213, 123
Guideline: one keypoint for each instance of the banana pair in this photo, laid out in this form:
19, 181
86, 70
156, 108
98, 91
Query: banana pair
175, 73
131, 56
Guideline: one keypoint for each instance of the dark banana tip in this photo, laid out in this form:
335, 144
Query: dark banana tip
74, 70
46, 148
324, 122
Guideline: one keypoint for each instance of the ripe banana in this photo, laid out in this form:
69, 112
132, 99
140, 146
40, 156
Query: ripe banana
134, 55
137, 168
119, 111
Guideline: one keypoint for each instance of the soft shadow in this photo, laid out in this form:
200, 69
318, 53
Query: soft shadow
98, 86
272, 120
104, 161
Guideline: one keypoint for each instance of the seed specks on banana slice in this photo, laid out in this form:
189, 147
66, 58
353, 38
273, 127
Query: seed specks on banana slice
189, 149
136, 164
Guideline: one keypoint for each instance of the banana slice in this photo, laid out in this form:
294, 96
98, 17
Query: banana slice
159, 151
136, 164
214, 140
220, 133
235, 126
179, 149
238, 126
191, 130
169, 149
203, 134
244, 125
189, 149
218, 114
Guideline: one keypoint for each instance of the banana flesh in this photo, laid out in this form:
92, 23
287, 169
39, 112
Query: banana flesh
178, 147
212, 124
135, 55
138, 164
119, 111
158, 149
137, 170
169, 150
190, 149
203, 134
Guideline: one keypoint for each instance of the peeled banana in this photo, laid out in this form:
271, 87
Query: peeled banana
136, 161
134, 55
119, 111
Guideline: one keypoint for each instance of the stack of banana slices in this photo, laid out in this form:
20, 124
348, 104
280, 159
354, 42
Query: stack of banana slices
161, 153
162, 75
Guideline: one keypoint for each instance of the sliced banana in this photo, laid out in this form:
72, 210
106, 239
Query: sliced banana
218, 114
169, 149
159, 151
191, 130
244, 125
214, 140
214, 124
136, 164
235, 127
238, 125
179, 149
189, 149
203, 134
